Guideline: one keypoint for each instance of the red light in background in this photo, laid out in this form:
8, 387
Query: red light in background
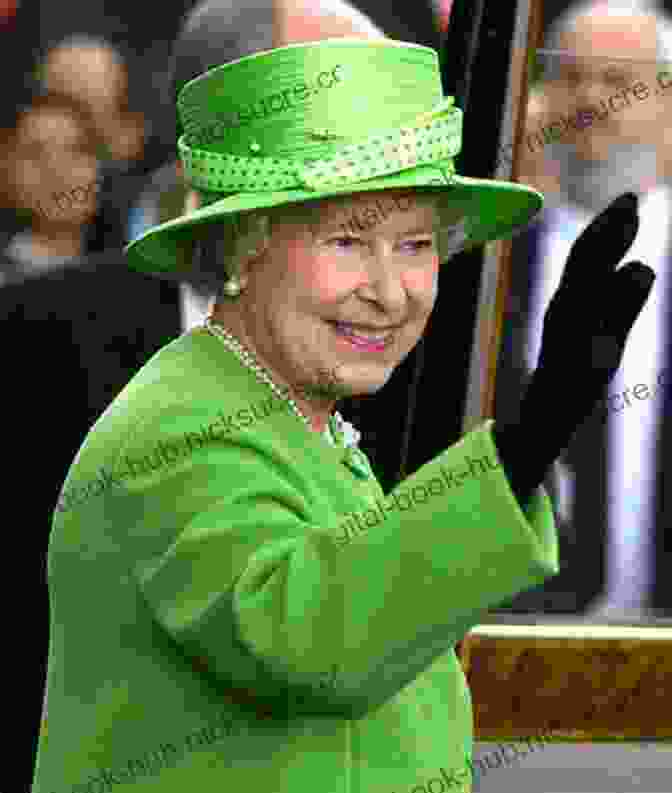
7, 10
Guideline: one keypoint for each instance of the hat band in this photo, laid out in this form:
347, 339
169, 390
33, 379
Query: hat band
438, 138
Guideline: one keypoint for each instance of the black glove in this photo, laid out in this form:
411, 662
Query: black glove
585, 328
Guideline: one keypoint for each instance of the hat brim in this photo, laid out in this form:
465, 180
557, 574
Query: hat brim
494, 210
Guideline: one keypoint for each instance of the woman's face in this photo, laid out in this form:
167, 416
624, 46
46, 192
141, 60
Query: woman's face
347, 289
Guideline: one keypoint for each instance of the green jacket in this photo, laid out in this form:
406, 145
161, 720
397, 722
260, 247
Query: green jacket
217, 624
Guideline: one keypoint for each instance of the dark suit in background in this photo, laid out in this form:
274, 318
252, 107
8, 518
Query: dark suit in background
71, 339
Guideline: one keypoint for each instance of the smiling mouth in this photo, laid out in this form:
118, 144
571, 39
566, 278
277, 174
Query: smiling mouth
362, 335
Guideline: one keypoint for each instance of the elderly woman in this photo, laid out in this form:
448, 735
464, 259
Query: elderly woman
262, 615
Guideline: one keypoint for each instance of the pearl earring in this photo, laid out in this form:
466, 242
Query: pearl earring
232, 287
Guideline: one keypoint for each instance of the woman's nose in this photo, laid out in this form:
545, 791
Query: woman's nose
589, 91
385, 284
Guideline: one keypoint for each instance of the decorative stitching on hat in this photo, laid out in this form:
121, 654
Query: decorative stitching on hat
437, 139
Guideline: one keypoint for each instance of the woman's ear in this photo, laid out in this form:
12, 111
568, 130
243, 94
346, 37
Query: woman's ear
251, 245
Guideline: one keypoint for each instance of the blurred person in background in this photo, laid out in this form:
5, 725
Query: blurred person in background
61, 310
49, 175
61, 294
602, 63
76, 317
93, 72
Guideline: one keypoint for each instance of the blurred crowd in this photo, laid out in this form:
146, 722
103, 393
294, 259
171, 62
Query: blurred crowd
76, 121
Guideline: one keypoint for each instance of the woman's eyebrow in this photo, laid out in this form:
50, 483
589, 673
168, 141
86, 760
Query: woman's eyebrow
347, 228
421, 228
338, 224
322, 229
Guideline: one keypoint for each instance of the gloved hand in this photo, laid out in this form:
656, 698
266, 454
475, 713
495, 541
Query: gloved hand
585, 328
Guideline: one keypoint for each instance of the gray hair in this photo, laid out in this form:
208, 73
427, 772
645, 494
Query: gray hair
222, 246
634, 8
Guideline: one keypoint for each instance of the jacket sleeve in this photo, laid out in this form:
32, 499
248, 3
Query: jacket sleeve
270, 602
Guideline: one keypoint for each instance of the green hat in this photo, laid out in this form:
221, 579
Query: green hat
321, 119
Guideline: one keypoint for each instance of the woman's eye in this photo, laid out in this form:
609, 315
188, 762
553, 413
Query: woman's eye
416, 246
344, 242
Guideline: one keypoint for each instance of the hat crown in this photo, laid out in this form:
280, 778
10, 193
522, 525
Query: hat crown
307, 100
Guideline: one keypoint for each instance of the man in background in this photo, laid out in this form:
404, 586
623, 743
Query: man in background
605, 133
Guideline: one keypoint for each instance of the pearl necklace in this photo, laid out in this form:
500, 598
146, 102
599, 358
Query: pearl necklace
248, 360
338, 432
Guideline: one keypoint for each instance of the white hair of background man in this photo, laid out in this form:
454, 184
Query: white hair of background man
618, 8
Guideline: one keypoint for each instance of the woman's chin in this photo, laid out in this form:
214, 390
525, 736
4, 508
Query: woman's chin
361, 383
